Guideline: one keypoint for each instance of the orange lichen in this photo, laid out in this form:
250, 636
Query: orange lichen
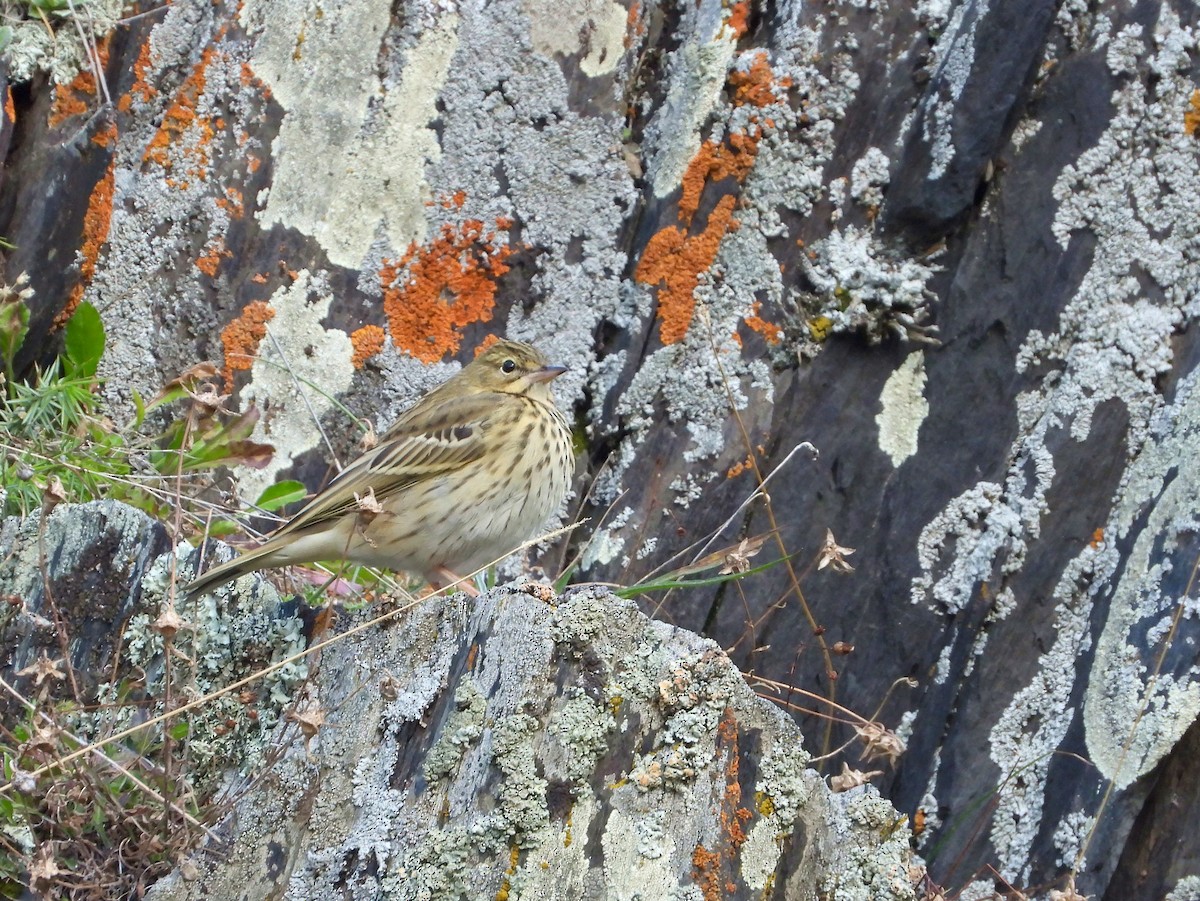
72, 99
141, 87
1191, 116
757, 85
487, 342
10, 110
739, 467
95, 232
232, 202
242, 336
674, 260
439, 288
367, 341
739, 18
635, 25
210, 261
180, 121
713, 870
713, 162
453, 201
771, 333
106, 136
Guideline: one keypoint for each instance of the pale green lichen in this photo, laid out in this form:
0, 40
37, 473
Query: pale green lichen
582, 727
463, 729
61, 55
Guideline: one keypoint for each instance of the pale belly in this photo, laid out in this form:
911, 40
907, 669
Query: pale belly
475, 517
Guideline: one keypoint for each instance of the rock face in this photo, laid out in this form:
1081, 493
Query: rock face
503, 746
951, 244
507, 747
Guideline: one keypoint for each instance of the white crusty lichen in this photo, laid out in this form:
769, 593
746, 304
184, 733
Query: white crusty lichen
1186, 889
345, 126
903, 408
299, 353
1134, 193
869, 176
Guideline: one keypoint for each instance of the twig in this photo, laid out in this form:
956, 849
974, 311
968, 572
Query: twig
97, 751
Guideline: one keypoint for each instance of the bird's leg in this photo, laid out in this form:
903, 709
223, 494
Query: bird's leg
441, 577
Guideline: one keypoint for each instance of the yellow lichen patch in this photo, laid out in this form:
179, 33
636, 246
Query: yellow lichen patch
95, 232
820, 327
439, 288
763, 802
367, 341
674, 261
242, 336
1191, 116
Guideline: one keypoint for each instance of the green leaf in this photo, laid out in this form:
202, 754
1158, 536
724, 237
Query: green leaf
219, 527
139, 409
179, 731
281, 494
14, 325
84, 342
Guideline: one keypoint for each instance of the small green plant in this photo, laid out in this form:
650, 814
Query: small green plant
58, 445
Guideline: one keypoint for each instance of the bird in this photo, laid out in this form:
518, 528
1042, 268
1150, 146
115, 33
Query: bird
461, 479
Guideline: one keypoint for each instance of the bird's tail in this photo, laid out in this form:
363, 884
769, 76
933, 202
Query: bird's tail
228, 571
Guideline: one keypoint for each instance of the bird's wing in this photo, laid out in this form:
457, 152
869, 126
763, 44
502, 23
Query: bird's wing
434, 443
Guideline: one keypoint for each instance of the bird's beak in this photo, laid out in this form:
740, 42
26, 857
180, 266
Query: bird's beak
546, 373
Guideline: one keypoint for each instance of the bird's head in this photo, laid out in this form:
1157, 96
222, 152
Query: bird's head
512, 367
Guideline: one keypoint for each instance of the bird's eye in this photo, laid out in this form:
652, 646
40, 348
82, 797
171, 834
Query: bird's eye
508, 366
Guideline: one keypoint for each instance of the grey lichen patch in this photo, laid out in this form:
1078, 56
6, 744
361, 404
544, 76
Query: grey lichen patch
581, 727
225, 639
864, 286
515, 797
869, 177
522, 811
882, 870
953, 60
1157, 516
1186, 889
1136, 193
696, 72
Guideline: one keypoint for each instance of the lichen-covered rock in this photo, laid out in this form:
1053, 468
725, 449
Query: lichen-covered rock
740, 223
506, 747
95, 578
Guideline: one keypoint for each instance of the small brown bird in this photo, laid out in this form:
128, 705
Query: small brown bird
462, 478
